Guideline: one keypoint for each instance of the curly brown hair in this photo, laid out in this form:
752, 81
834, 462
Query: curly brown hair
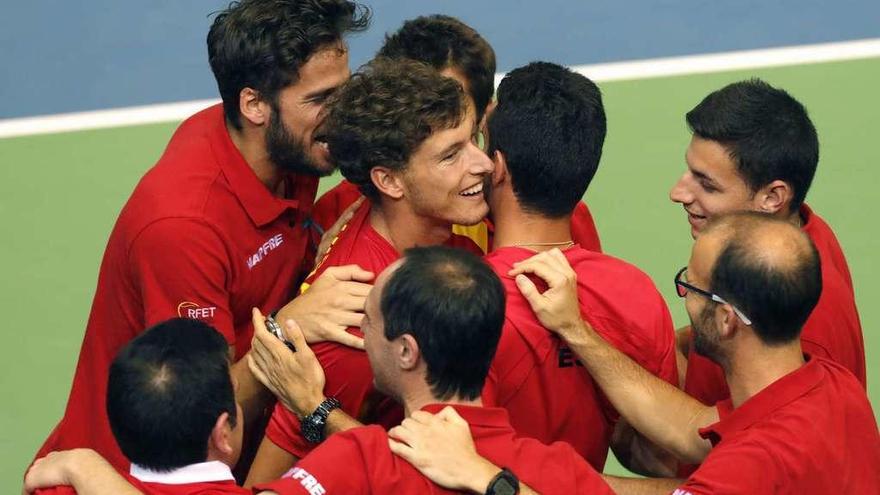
384, 113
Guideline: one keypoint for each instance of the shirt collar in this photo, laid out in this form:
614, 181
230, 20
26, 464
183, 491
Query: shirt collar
194, 473
261, 205
762, 405
474, 415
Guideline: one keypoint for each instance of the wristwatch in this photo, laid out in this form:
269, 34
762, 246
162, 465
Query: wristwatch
504, 483
314, 425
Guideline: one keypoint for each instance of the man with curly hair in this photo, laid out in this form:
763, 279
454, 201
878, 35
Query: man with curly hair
457, 51
216, 227
405, 135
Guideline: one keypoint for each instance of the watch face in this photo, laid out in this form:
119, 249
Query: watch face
313, 428
503, 487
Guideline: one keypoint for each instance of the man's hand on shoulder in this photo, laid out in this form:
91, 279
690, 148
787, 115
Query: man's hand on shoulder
334, 302
441, 447
557, 308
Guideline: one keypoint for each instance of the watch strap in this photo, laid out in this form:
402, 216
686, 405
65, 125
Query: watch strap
329, 404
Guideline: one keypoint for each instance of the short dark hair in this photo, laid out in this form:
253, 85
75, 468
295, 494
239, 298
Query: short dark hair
549, 123
777, 296
262, 44
442, 41
166, 389
384, 113
452, 303
767, 133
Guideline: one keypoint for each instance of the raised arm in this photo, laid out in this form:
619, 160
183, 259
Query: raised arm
83, 469
664, 414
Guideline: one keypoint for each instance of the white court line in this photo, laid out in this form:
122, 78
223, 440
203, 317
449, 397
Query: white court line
615, 71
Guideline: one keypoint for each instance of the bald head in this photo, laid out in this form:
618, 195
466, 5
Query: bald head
766, 267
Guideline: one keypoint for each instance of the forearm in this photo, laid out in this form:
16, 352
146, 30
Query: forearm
103, 482
250, 394
664, 414
640, 455
91, 474
339, 420
483, 472
641, 486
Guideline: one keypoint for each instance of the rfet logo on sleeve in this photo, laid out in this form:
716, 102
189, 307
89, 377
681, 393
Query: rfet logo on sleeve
188, 309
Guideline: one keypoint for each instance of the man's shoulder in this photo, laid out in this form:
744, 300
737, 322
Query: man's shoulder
358, 243
553, 468
185, 175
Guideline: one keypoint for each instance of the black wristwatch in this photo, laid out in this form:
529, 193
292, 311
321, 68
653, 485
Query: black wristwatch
314, 425
504, 483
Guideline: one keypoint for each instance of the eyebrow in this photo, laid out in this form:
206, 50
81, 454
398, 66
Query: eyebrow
321, 92
701, 175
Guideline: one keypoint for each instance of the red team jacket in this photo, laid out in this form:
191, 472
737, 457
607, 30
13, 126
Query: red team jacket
348, 372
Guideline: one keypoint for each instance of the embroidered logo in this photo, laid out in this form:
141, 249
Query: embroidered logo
188, 309
264, 250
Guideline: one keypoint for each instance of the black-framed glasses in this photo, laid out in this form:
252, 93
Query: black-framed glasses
682, 288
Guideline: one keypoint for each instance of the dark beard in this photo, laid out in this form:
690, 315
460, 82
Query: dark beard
706, 342
287, 152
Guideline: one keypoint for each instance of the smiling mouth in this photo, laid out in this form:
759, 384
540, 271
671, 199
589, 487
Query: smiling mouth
475, 190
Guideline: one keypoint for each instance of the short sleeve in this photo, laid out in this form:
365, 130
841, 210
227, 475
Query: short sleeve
181, 268
284, 430
733, 469
334, 467
56, 490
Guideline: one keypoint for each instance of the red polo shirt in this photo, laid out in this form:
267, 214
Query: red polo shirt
204, 478
832, 331
360, 461
539, 380
347, 370
331, 204
200, 237
810, 432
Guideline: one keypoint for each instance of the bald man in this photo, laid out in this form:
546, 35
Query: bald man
793, 424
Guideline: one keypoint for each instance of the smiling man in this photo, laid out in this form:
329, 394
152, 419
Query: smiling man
216, 226
754, 148
404, 134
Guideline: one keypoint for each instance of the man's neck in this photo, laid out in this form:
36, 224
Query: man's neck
400, 226
514, 227
755, 369
252, 147
416, 402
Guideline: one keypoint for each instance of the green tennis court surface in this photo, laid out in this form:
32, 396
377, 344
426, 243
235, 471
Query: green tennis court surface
61, 195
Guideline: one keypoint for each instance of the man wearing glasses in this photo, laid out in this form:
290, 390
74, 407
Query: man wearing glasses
794, 423
754, 148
